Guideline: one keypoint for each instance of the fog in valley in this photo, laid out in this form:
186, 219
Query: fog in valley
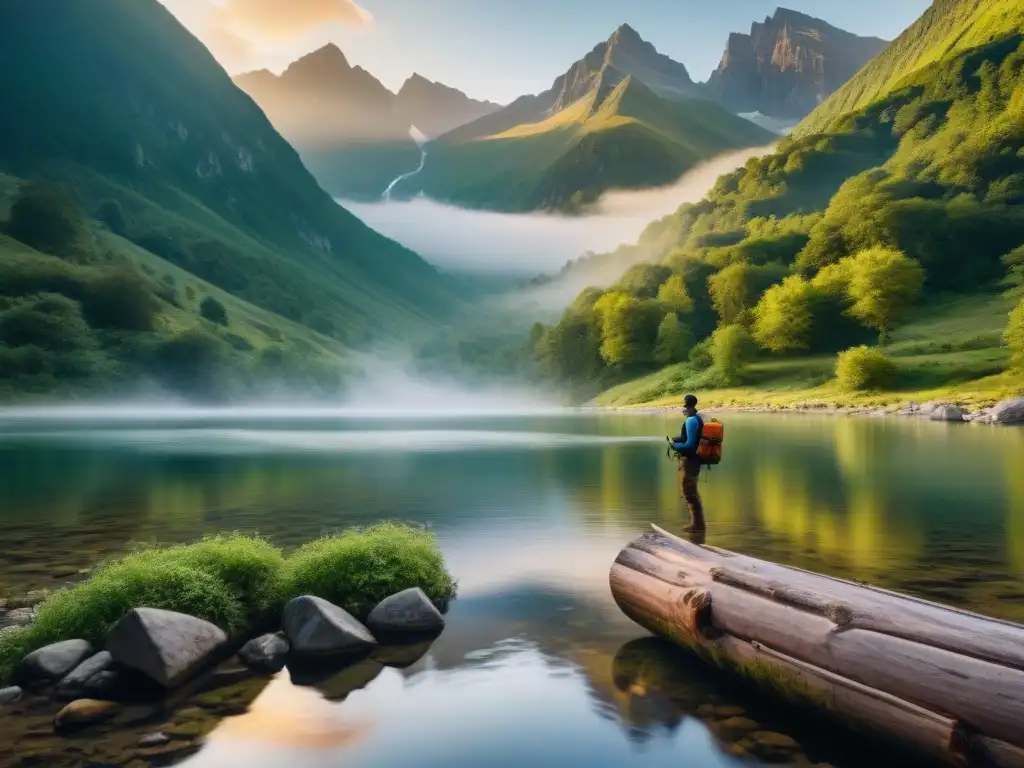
525, 245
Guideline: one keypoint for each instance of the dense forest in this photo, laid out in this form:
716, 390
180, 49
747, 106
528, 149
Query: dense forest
824, 246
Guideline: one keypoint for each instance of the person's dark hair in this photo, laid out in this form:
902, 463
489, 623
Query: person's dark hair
690, 401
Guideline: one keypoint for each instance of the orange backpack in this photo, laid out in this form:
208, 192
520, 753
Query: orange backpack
709, 449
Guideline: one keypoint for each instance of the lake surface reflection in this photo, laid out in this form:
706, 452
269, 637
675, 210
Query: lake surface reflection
537, 666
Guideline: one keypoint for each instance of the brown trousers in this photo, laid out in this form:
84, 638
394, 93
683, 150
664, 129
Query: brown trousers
689, 473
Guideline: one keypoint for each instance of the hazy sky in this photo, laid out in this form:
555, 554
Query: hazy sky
497, 49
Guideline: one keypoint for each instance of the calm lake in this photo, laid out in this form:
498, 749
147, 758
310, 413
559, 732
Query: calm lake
536, 666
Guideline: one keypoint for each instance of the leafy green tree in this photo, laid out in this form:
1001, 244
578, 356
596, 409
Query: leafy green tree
643, 280
730, 352
47, 218
884, 284
783, 317
1014, 334
674, 341
629, 329
864, 368
737, 288
213, 310
674, 296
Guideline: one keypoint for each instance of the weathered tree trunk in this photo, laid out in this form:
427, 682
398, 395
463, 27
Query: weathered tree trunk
949, 682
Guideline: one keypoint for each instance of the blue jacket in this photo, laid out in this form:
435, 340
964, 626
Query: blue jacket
692, 428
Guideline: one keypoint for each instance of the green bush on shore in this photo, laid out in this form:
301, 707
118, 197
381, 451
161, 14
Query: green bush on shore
236, 582
864, 368
358, 569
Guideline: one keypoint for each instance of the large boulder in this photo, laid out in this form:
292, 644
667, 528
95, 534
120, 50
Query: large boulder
53, 662
948, 413
1008, 412
315, 627
408, 612
74, 683
165, 646
265, 653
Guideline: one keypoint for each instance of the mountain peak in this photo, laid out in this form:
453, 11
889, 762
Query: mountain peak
322, 62
788, 65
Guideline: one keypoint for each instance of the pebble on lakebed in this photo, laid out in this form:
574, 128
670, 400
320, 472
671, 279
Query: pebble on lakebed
158, 661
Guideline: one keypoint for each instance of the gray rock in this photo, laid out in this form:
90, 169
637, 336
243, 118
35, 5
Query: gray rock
266, 653
9, 695
925, 409
73, 685
409, 611
165, 646
947, 413
315, 627
20, 617
157, 739
1008, 412
107, 684
53, 662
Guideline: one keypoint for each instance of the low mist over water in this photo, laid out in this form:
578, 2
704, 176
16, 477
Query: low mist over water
459, 239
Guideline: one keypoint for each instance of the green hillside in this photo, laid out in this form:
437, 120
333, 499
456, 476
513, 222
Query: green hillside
116, 100
829, 243
620, 135
948, 27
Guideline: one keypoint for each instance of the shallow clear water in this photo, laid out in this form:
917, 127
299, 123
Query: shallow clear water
537, 666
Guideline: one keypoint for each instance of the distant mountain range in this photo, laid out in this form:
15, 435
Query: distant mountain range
565, 146
788, 65
352, 132
624, 116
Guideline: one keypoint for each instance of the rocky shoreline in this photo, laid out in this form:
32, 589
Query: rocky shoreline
153, 661
1005, 413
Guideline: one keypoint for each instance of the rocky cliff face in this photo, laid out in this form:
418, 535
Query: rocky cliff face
788, 65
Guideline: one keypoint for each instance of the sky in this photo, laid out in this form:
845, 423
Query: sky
497, 49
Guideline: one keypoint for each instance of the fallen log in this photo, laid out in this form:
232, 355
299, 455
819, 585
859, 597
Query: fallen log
946, 681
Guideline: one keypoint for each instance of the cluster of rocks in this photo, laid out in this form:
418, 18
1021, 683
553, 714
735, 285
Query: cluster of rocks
1008, 412
151, 652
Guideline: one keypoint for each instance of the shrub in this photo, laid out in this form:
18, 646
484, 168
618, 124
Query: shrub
47, 218
229, 580
193, 363
48, 321
121, 300
864, 368
358, 569
730, 350
700, 355
214, 311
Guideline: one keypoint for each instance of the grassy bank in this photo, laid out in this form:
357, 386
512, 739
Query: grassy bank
237, 582
950, 351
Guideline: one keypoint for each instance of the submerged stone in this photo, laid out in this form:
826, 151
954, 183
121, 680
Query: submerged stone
157, 739
83, 712
265, 653
53, 662
165, 646
315, 627
407, 612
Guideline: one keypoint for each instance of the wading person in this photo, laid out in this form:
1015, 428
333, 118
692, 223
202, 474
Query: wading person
689, 463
